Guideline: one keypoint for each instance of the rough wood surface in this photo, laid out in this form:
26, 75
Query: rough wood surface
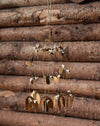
77, 87
60, 33
82, 107
21, 3
74, 51
90, 71
10, 118
60, 14
77, 1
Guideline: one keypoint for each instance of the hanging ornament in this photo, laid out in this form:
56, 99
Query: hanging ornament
60, 100
56, 79
61, 68
31, 80
30, 64
46, 103
67, 73
69, 99
31, 103
36, 96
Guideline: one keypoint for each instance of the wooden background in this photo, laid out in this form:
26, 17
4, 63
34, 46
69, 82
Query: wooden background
75, 27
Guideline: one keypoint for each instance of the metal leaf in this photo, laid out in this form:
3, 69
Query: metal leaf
61, 101
46, 103
56, 78
46, 109
28, 63
31, 80
42, 103
50, 104
67, 74
67, 100
29, 102
38, 97
71, 100
33, 93
29, 107
35, 105
54, 100
47, 80
61, 68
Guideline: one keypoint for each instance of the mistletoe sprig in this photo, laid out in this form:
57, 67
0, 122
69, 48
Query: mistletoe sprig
46, 103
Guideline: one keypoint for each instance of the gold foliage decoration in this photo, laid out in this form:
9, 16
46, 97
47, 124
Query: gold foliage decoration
46, 103
60, 101
37, 96
31, 103
69, 99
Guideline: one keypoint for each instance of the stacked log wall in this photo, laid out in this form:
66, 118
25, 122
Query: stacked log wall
75, 28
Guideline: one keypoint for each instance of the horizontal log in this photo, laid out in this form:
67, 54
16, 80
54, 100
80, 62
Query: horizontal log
77, 1
74, 51
77, 87
11, 118
82, 107
60, 14
60, 33
23, 3
88, 71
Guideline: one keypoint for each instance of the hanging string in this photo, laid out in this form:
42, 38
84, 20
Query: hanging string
49, 4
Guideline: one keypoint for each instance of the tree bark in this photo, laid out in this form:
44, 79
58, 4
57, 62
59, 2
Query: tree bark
60, 14
77, 1
22, 3
60, 33
82, 107
87, 71
77, 87
73, 51
10, 118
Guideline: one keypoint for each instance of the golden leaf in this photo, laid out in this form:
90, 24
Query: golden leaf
29, 107
38, 97
59, 103
56, 78
71, 100
28, 63
46, 103
29, 102
31, 80
42, 103
61, 100
61, 68
46, 109
47, 80
35, 105
67, 74
54, 100
32, 94
50, 104
67, 100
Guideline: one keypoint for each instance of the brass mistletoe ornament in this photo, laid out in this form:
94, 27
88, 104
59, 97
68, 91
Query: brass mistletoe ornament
46, 103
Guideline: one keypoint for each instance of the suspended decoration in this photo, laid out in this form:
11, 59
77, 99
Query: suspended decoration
46, 103
31, 103
60, 101
69, 99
